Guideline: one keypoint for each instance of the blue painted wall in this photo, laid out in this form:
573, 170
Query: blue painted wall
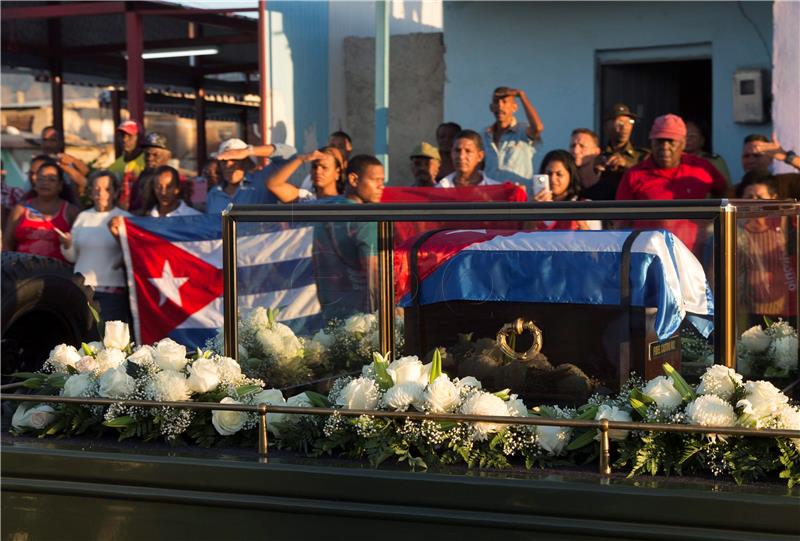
549, 48
305, 28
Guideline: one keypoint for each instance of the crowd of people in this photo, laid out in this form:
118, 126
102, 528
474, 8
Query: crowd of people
73, 214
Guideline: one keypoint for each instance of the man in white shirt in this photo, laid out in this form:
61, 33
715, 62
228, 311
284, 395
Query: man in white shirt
467, 154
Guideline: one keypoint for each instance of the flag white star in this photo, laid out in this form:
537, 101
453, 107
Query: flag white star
168, 285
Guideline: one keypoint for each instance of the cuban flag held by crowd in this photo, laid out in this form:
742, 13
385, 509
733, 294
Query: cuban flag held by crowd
174, 268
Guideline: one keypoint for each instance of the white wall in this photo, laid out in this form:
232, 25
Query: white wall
549, 48
786, 77
357, 19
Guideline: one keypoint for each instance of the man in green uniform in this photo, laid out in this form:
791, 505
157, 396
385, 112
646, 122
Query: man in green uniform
620, 154
344, 256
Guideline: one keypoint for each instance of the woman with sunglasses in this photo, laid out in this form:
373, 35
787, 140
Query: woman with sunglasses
45, 216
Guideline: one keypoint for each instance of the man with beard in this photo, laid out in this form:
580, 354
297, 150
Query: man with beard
669, 173
156, 153
510, 145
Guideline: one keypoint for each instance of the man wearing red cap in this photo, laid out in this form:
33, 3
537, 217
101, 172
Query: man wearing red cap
669, 173
130, 164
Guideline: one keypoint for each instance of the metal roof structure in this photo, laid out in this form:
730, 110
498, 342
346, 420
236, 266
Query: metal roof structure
90, 43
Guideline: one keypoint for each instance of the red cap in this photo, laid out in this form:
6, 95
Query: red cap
129, 127
668, 127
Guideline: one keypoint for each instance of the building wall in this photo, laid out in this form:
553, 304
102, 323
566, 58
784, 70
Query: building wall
786, 77
299, 72
549, 49
356, 19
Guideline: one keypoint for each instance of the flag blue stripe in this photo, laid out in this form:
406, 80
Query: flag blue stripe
204, 227
290, 274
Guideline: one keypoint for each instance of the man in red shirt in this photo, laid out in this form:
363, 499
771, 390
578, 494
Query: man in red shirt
669, 173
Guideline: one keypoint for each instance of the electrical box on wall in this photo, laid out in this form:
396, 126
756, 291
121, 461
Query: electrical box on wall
750, 96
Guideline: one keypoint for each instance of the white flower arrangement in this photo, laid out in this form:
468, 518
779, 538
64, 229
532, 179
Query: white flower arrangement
768, 352
160, 372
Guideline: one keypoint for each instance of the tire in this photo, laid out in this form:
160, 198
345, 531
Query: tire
44, 303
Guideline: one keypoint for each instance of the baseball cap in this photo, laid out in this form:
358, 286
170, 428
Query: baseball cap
230, 144
668, 127
619, 109
155, 140
425, 150
129, 127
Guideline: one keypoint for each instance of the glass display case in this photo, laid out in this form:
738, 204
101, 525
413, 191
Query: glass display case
555, 301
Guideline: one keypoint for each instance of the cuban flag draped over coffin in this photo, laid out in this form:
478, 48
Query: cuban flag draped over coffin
174, 269
576, 267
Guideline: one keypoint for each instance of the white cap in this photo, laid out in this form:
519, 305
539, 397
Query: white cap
231, 144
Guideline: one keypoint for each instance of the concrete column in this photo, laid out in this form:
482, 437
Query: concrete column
134, 38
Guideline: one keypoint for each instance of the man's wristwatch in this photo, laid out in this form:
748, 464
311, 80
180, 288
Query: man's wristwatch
790, 156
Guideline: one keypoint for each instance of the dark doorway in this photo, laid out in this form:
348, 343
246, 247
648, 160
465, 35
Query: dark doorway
653, 89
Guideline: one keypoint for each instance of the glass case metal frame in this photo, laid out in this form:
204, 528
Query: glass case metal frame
723, 214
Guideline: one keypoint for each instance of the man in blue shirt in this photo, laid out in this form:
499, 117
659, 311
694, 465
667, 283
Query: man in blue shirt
345, 253
509, 145
239, 186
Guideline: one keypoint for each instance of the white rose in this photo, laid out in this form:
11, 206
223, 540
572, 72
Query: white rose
719, 380
613, 413
259, 317
400, 397
108, 359
272, 397
553, 439
359, 394
661, 389
755, 339
203, 375
116, 383
468, 381
117, 335
484, 404
710, 410
78, 385
784, 351
229, 370
169, 386
143, 355
790, 420
227, 423
63, 356
516, 407
169, 355
37, 417
87, 364
407, 369
323, 339
358, 323
441, 396
297, 401
765, 399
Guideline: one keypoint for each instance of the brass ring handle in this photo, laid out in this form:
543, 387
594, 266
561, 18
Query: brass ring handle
517, 328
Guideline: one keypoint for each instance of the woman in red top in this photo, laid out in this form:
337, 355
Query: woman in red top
37, 223
560, 168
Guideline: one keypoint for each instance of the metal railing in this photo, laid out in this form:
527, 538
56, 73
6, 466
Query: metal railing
603, 425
